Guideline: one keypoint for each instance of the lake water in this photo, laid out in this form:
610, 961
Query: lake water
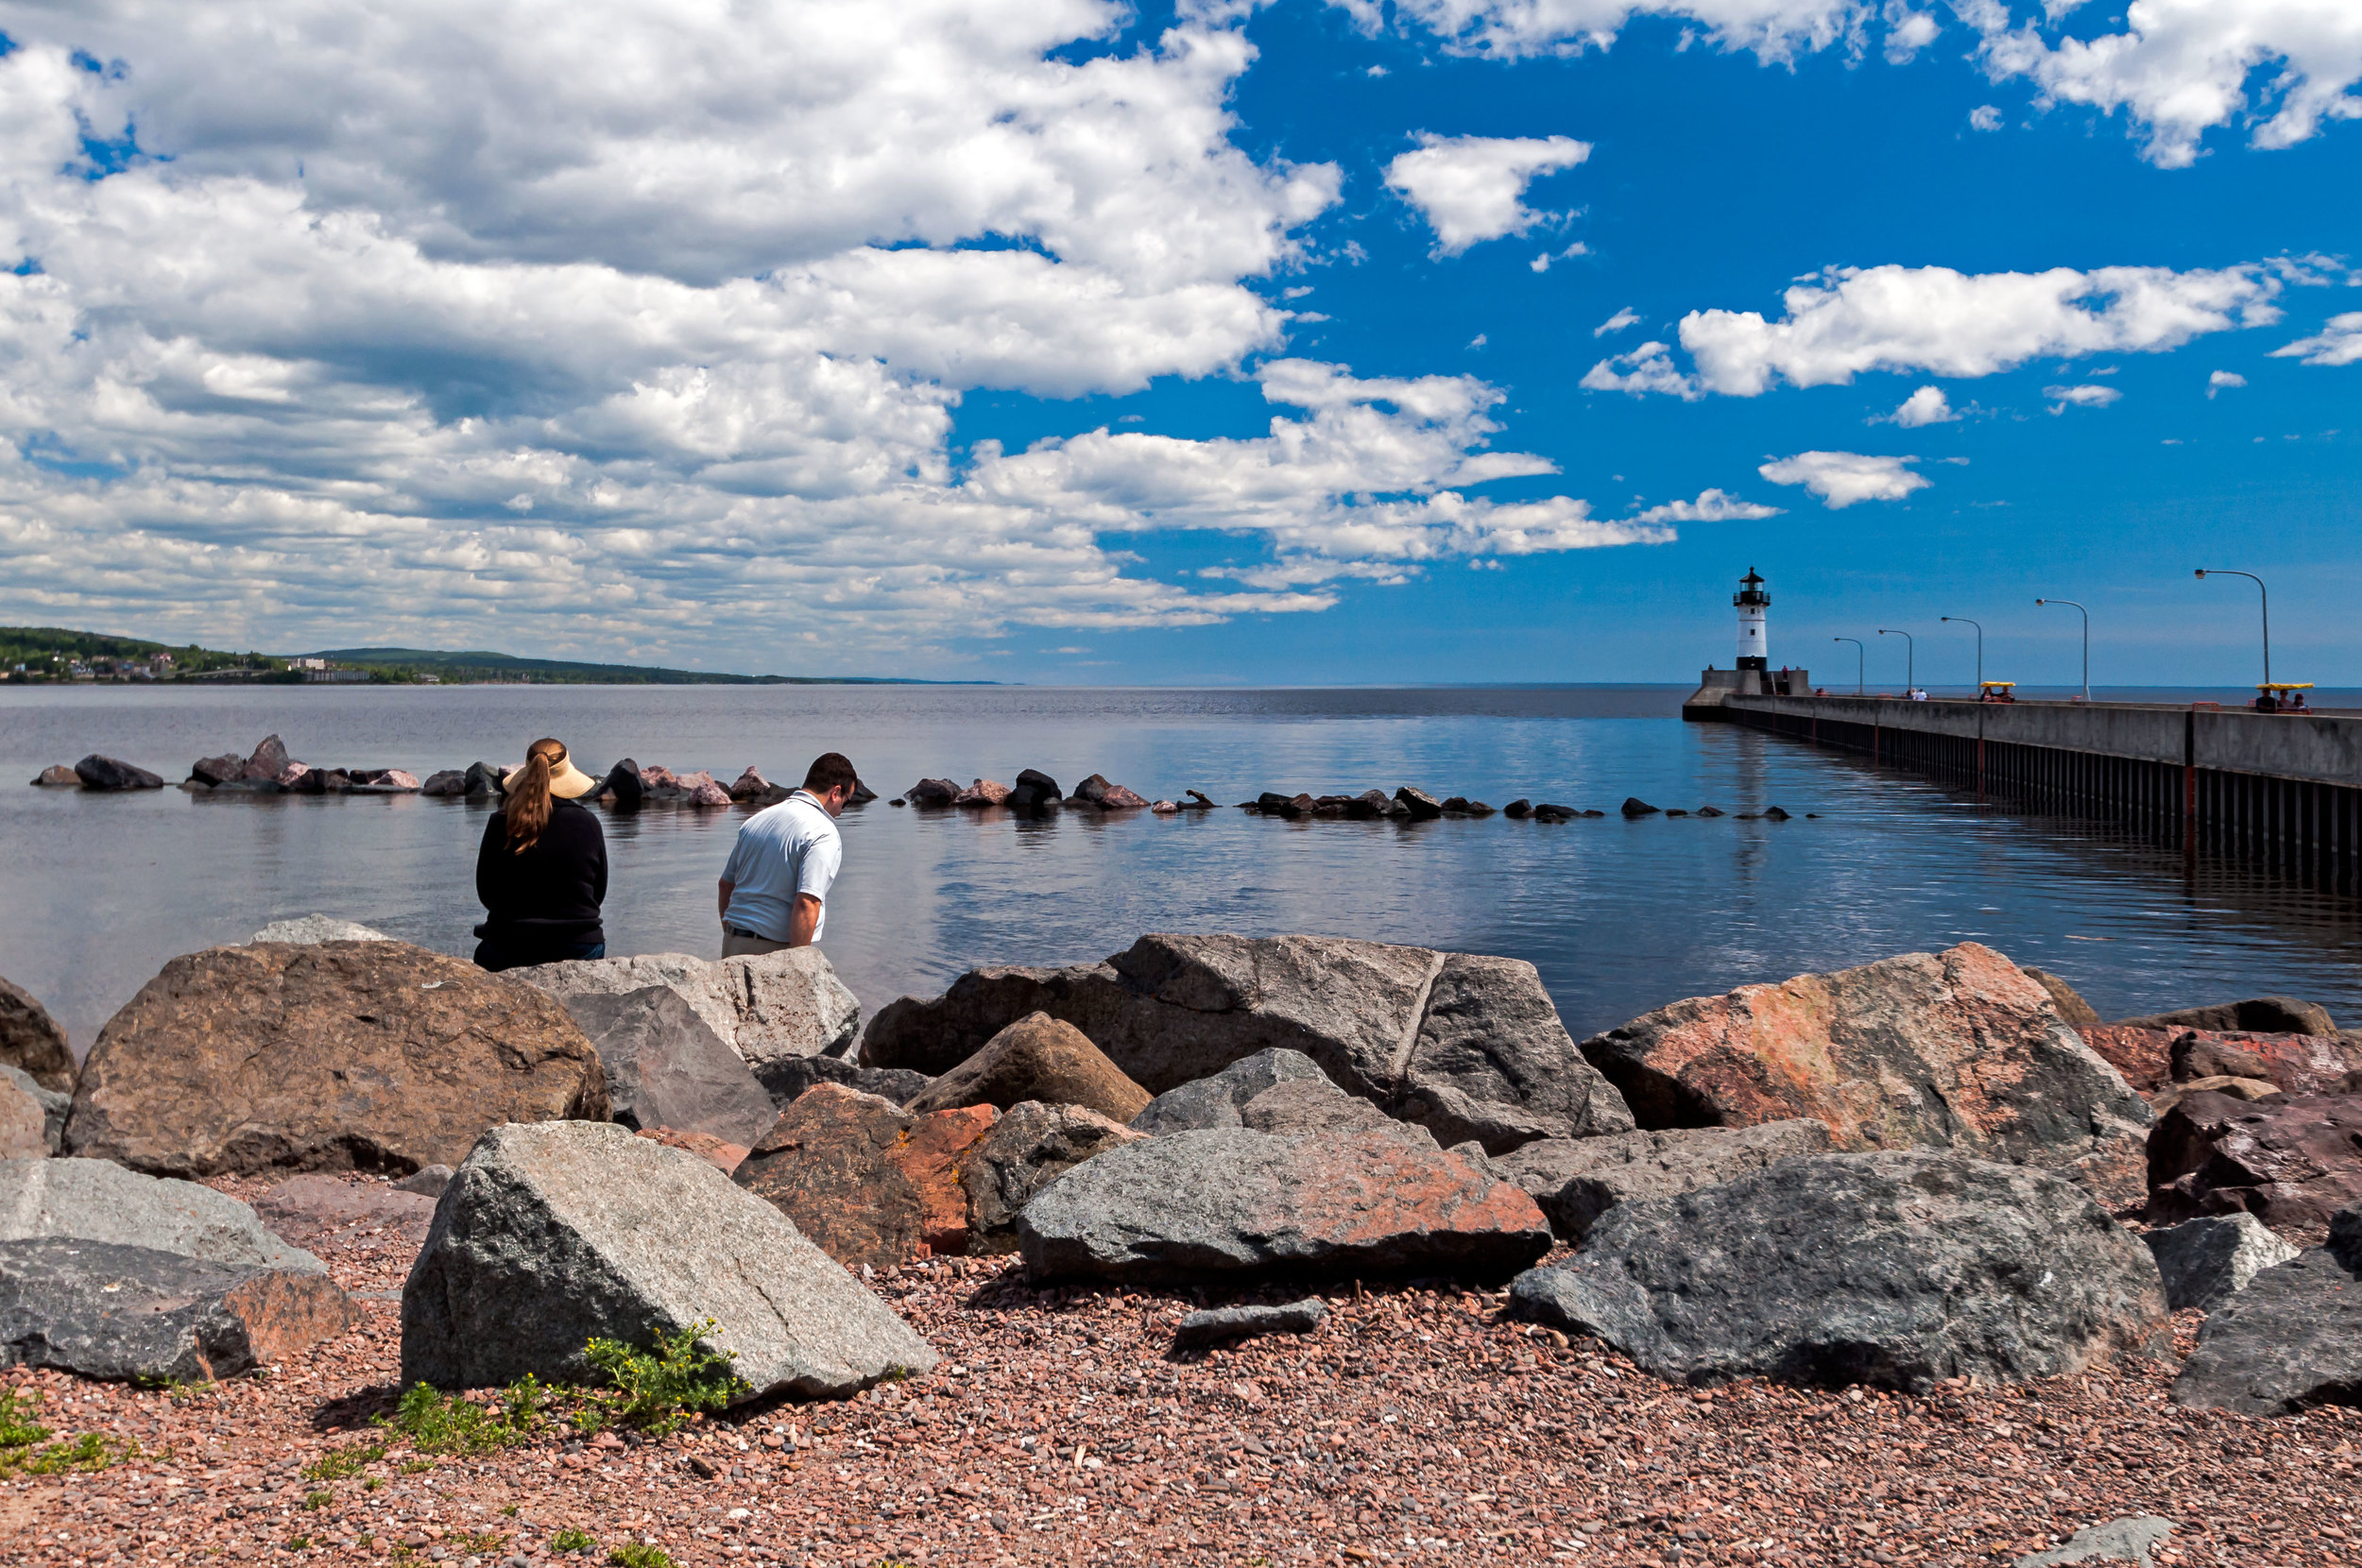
1620, 916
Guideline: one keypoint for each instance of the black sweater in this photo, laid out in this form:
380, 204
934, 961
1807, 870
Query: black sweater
547, 898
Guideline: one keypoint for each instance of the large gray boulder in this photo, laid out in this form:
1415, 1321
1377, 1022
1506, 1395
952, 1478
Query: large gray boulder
312, 930
665, 1067
551, 1234
1028, 1148
773, 1009
108, 1311
1959, 1050
1466, 1046
1899, 1269
1236, 1203
100, 1201
2118, 1541
31, 1039
2205, 1262
1216, 1102
1577, 1180
2291, 1340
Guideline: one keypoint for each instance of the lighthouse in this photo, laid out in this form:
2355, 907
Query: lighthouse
1754, 653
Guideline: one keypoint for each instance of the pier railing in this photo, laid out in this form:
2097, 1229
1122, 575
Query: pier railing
2281, 789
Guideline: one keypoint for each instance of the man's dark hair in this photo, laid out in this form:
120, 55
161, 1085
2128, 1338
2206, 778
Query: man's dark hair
829, 770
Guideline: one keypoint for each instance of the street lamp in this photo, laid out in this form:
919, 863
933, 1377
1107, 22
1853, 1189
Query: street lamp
1980, 648
1861, 662
2224, 571
2087, 642
1910, 657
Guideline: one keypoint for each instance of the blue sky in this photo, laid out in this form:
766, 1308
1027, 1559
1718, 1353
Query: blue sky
1303, 342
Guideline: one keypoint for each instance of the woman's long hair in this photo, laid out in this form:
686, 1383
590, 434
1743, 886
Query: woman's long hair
529, 798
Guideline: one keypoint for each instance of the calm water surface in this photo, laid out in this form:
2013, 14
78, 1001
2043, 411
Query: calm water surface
1620, 916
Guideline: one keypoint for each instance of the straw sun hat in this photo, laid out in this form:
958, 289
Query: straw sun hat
567, 782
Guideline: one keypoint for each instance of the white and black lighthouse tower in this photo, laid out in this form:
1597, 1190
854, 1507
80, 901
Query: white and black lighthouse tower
1754, 652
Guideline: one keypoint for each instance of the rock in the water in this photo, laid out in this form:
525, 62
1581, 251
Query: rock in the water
666, 1069
376, 1056
311, 929
1096, 791
213, 772
1898, 1269
1235, 1203
109, 773
53, 1104
1037, 1058
2289, 1342
430, 1179
982, 795
1958, 1049
752, 787
100, 1201
2290, 1160
1035, 791
551, 1234
2118, 1541
1577, 1180
1635, 807
789, 1077
1025, 1152
445, 781
23, 1119
1518, 808
305, 1209
1215, 1101
58, 776
100, 1309
1224, 1324
1421, 806
932, 791
772, 1009
1488, 1058
2073, 1010
31, 1040
2206, 1262
2252, 1016
866, 1180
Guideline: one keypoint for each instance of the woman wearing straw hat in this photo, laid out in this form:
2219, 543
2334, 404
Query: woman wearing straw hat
541, 872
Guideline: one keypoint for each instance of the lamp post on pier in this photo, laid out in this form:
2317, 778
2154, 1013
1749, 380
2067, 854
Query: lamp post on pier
1861, 662
2087, 642
1911, 658
2266, 595
1980, 648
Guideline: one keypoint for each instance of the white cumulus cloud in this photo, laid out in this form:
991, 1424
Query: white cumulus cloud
1842, 478
1776, 30
1927, 406
1617, 323
1895, 318
2222, 379
617, 329
1710, 506
1985, 117
2338, 342
2080, 397
2180, 68
1470, 189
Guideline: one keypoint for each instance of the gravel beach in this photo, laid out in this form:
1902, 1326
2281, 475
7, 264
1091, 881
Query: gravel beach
1413, 1425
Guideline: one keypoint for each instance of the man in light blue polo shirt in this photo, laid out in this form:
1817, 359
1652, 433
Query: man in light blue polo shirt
775, 889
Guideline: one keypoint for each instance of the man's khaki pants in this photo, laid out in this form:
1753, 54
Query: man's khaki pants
739, 945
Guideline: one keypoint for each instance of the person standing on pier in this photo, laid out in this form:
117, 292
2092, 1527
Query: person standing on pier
775, 889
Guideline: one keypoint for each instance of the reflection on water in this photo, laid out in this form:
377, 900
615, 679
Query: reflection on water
1620, 916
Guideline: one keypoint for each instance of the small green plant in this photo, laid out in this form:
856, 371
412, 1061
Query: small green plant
17, 1428
416, 1467
437, 1422
657, 1390
342, 1463
571, 1540
90, 1451
509, 1512
299, 1544
372, 1484
638, 1555
314, 1501
479, 1542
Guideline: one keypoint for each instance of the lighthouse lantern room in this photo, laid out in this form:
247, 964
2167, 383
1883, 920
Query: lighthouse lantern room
1754, 653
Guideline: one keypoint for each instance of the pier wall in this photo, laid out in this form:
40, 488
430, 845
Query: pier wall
2280, 790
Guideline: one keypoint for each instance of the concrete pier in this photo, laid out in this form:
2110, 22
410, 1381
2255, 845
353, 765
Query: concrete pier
2279, 790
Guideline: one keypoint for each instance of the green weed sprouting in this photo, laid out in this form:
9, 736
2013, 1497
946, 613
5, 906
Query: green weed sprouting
17, 1428
571, 1540
19, 1433
638, 1555
314, 1501
437, 1422
346, 1462
657, 1390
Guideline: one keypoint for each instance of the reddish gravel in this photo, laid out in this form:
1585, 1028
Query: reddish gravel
1414, 1426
